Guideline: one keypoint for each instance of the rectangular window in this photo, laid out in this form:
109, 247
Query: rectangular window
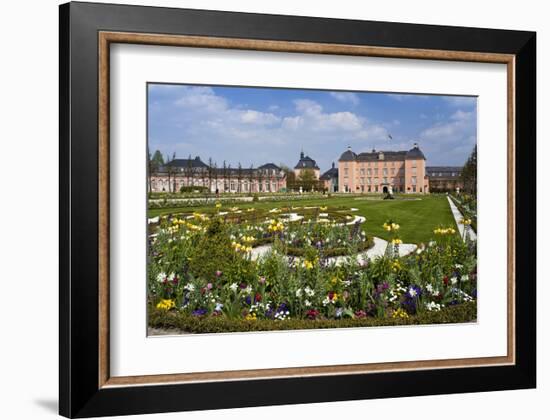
385, 180
385, 171
414, 170
376, 180
413, 180
369, 173
369, 181
345, 171
375, 171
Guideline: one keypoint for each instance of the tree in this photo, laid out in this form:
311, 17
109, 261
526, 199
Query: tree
157, 160
239, 177
154, 164
171, 174
189, 172
250, 178
210, 174
307, 180
469, 173
290, 177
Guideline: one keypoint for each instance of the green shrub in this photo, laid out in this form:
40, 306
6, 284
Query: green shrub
192, 189
213, 251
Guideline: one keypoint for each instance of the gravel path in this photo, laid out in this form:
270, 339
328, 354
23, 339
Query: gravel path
458, 217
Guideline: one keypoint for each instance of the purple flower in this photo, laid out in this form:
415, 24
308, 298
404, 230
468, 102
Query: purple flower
199, 312
209, 286
262, 280
414, 291
218, 273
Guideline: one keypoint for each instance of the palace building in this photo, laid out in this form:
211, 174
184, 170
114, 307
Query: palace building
445, 178
179, 173
306, 164
330, 179
383, 171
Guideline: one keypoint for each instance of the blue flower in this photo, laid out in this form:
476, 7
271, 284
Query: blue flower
199, 312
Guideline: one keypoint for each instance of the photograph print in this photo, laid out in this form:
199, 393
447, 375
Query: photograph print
294, 209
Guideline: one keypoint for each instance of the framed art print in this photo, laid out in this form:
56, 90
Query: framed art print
261, 209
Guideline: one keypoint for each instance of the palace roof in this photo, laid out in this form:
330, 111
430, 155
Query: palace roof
377, 155
306, 162
186, 163
331, 173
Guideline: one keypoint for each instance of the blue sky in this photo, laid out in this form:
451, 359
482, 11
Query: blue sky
254, 126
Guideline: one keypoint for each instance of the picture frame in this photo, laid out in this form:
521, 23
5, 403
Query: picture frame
87, 31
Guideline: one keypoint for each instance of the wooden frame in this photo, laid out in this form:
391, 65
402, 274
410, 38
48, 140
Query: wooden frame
86, 388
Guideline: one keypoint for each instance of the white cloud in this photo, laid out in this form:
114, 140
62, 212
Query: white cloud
348, 97
223, 130
201, 99
255, 117
458, 135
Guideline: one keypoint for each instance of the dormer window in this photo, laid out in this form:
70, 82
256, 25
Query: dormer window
381, 156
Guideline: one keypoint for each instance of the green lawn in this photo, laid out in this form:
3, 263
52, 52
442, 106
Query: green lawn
417, 217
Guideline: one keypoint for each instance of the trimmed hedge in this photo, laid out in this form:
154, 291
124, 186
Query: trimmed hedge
466, 312
332, 252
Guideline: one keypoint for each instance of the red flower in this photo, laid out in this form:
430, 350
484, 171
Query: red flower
360, 313
258, 297
312, 313
446, 280
330, 295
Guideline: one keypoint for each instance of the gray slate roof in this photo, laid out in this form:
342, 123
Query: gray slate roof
389, 155
331, 173
186, 163
306, 162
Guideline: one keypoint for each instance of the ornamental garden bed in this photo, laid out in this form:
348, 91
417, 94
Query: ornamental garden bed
202, 278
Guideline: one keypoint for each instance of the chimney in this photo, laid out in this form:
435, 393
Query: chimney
332, 165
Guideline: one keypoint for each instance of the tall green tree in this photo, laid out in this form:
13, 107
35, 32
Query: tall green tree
307, 180
469, 173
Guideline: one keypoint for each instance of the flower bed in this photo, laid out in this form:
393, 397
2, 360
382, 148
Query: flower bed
181, 321
200, 267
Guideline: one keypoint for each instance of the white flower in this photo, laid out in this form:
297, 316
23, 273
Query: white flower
248, 290
453, 280
464, 277
310, 292
190, 287
429, 288
412, 292
459, 266
299, 293
171, 277
161, 277
234, 286
307, 303
432, 306
218, 307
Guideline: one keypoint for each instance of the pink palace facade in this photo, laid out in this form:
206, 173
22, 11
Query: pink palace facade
383, 171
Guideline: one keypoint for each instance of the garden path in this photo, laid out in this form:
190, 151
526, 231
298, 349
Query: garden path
458, 217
